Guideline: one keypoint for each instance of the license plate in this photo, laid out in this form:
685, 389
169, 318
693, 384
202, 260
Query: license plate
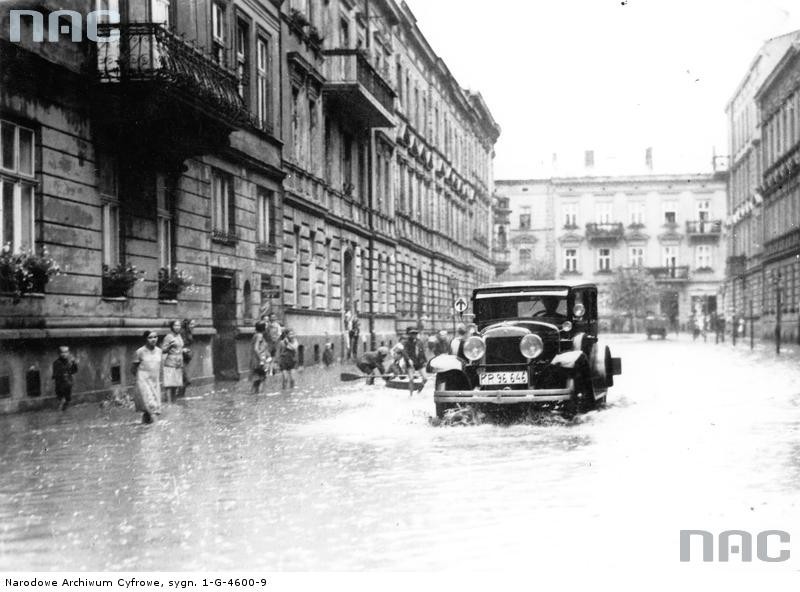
492, 378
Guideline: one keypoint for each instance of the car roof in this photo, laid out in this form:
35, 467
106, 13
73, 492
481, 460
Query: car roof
537, 284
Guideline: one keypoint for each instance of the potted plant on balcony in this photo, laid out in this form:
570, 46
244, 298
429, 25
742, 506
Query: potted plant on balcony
314, 37
25, 272
119, 279
297, 19
172, 282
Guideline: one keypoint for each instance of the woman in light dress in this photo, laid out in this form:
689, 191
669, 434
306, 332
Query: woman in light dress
172, 347
147, 366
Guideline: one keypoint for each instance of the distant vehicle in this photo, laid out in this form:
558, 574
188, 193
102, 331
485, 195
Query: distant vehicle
536, 343
656, 325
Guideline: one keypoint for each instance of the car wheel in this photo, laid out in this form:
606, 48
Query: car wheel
569, 409
441, 408
586, 402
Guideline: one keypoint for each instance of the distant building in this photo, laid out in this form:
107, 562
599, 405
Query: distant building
777, 265
745, 220
671, 225
528, 231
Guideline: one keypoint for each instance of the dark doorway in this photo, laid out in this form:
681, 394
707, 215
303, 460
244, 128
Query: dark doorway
223, 313
669, 306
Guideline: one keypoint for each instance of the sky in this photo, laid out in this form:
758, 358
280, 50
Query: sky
612, 76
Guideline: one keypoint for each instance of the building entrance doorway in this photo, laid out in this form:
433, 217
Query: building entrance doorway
223, 313
670, 307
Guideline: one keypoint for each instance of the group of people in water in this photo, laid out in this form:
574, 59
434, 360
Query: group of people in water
411, 354
170, 360
273, 343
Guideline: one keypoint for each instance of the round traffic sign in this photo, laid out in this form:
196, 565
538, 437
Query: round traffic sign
460, 305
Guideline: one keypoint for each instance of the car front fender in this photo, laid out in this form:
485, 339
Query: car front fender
568, 359
445, 363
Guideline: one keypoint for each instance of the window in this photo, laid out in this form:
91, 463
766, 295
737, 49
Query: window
571, 260
296, 266
16, 173
636, 256
703, 257
243, 60
263, 95
604, 212
108, 187
670, 256
218, 32
525, 219
670, 212
164, 213
223, 215
704, 210
344, 33
604, 260
570, 215
524, 255
265, 232
162, 12
636, 209
295, 117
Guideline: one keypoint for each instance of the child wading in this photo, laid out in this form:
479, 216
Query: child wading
287, 358
63, 369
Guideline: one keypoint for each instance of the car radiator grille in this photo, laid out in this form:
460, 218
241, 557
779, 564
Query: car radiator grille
505, 350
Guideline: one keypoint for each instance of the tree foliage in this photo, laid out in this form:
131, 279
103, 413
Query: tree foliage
631, 290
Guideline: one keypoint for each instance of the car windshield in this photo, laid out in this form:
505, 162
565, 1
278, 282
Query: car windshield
496, 307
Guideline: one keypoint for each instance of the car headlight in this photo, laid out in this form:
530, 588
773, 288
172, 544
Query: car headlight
579, 310
474, 348
531, 346
566, 327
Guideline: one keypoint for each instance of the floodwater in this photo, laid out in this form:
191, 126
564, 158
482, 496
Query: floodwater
352, 477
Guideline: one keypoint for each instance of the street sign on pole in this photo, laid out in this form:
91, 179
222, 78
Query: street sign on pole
460, 305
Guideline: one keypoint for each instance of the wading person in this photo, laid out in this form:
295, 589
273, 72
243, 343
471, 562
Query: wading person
147, 368
272, 335
371, 361
259, 357
187, 333
327, 355
287, 358
172, 348
64, 367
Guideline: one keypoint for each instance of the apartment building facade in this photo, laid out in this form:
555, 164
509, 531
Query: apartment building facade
670, 225
255, 146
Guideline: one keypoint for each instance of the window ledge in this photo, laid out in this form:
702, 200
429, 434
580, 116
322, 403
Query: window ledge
171, 302
266, 249
114, 298
33, 295
224, 238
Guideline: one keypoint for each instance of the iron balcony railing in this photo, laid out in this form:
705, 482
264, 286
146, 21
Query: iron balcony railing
670, 273
352, 66
605, 230
148, 52
704, 227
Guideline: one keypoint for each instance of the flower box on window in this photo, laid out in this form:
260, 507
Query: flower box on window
173, 282
119, 279
25, 272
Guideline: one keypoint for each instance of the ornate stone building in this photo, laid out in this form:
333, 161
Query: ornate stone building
589, 226
745, 276
307, 158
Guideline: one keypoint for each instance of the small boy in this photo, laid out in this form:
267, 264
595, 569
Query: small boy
63, 369
327, 355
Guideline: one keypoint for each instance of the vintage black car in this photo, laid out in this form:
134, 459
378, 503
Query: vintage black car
536, 343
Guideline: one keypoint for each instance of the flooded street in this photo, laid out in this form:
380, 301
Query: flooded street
352, 477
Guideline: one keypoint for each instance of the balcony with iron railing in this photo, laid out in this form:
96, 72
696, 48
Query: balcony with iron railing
605, 231
673, 273
704, 228
353, 84
156, 76
501, 257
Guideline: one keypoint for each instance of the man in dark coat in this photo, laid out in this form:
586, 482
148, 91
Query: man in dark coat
63, 369
371, 361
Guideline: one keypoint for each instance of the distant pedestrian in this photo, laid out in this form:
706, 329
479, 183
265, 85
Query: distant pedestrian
64, 367
272, 335
259, 357
172, 348
415, 350
147, 368
442, 343
457, 343
327, 355
287, 358
187, 333
355, 331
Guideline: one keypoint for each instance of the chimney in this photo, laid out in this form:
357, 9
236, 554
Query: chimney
648, 158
